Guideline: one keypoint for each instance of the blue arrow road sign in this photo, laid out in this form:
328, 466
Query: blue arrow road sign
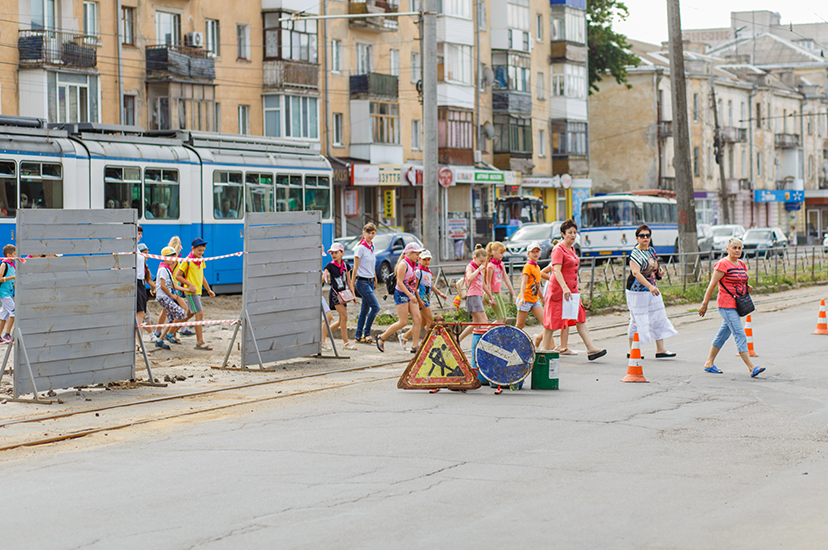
504, 355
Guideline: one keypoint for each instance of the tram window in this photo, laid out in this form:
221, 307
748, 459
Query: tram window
161, 194
41, 185
8, 189
122, 188
318, 195
259, 192
227, 195
288, 193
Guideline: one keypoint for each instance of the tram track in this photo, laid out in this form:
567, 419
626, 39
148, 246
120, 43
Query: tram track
153, 400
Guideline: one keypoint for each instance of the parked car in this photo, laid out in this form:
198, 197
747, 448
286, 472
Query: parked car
543, 234
722, 233
387, 249
704, 232
825, 242
765, 241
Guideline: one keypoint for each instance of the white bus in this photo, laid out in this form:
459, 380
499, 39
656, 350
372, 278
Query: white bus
608, 224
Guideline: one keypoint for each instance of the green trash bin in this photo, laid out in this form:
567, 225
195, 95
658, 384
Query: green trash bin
545, 370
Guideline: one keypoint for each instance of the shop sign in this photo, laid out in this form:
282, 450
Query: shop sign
542, 182
772, 195
566, 181
458, 228
414, 175
375, 174
388, 203
351, 200
466, 175
445, 177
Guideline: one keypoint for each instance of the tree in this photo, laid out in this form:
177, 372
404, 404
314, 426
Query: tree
609, 51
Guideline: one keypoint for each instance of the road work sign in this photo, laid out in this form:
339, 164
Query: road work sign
504, 355
439, 363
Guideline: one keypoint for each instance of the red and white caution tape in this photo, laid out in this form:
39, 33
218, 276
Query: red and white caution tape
193, 323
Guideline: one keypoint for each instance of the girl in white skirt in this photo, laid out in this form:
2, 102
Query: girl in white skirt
647, 314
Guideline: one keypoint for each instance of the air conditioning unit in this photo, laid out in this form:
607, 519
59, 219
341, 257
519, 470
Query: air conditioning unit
478, 156
194, 40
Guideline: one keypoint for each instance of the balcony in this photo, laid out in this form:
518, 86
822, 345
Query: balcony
457, 157
374, 85
735, 135
790, 184
509, 101
283, 74
668, 183
166, 62
374, 7
562, 51
786, 141
59, 48
665, 129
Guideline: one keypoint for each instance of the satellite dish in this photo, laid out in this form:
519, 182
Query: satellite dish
488, 129
488, 77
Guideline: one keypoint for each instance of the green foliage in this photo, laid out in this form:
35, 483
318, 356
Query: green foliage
385, 319
609, 51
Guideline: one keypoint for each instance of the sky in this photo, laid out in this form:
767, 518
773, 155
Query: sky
648, 18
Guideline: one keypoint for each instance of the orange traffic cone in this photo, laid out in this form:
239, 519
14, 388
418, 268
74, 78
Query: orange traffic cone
749, 334
822, 324
634, 371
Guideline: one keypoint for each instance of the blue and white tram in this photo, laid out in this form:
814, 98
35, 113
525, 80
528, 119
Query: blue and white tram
608, 224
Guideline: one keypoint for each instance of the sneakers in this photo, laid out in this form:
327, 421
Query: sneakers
187, 332
160, 344
6, 339
157, 333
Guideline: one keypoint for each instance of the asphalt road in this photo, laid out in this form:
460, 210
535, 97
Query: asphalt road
689, 461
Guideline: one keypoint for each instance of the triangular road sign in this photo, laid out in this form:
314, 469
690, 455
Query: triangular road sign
439, 363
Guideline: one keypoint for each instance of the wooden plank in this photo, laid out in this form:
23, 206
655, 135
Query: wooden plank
75, 278
26, 216
280, 231
254, 219
69, 336
288, 306
40, 354
79, 308
288, 279
70, 380
283, 263
70, 322
264, 332
284, 354
267, 245
93, 294
36, 232
75, 246
78, 263
286, 292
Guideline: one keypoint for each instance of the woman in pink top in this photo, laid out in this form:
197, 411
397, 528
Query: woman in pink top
475, 278
495, 275
731, 276
406, 297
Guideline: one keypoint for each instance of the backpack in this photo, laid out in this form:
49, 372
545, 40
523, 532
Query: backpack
391, 282
462, 287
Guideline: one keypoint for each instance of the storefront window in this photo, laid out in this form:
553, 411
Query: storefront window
161, 194
227, 195
259, 192
41, 185
122, 187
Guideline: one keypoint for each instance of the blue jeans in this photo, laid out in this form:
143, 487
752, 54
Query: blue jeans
731, 324
370, 307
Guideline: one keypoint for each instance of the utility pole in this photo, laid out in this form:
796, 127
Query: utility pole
432, 220
718, 150
686, 205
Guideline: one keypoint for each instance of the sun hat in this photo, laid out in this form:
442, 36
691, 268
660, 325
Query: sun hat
425, 254
168, 251
412, 247
336, 247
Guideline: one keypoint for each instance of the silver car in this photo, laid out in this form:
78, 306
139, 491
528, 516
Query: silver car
723, 233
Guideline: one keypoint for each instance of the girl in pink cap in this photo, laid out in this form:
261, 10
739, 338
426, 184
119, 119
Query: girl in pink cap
406, 297
342, 291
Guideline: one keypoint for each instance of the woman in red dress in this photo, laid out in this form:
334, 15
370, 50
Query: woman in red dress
563, 286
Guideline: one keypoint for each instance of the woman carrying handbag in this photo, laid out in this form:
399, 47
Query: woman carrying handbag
342, 291
730, 274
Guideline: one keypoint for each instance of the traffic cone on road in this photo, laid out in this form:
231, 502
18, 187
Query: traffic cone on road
822, 323
634, 371
749, 334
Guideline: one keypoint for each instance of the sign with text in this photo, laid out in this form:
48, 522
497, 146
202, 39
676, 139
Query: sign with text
375, 174
388, 204
351, 203
773, 195
458, 228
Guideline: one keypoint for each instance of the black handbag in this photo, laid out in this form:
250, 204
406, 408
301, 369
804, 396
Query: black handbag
744, 304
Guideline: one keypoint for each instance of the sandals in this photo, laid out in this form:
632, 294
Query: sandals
596, 355
364, 340
565, 351
203, 347
350, 346
171, 339
714, 369
380, 344
403, 342
757, 371
415, 349
665, 354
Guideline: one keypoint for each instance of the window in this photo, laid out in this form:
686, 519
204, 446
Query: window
364, 59
730, 112
511, 72
122, 188
385, 119
556, 27
129, 110
541, 143
457, 63
569, 81
336, 56
512, 135
759, 115
8, 189
301, 117
455, 129
90, 19
416, 133
518, 14
481, 16
259, 192
161, 200
569, 138
217, 118
41, 185
294, 40
244, 119
243, 42
212, 36
539, 27
569, 25
457, 8
72, 97
541, 92
43, 14
227, 195
810, 126
415, 67
167, 28
273, 115
696, 162
288, 193
318, 195
337, 129
744, 163
742, 121
128, 26
759, 164
695, 107
810, 166
395, 62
